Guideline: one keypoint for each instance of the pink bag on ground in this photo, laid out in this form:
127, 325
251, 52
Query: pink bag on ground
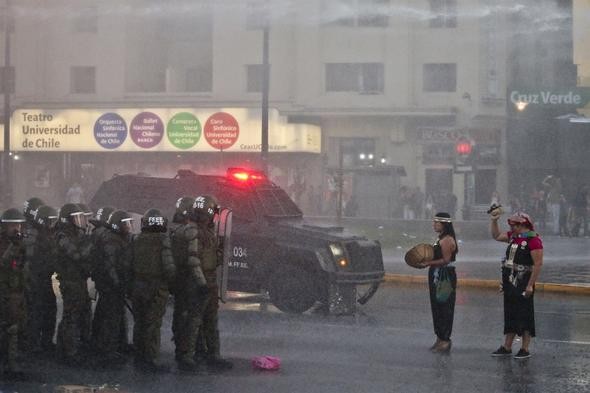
266, 363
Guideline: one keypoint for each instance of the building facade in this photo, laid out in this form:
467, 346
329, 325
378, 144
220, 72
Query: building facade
392, 86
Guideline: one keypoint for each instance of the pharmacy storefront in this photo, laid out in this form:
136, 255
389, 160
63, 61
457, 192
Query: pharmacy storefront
59, 147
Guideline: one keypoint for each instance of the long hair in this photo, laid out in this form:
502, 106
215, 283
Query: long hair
448, 229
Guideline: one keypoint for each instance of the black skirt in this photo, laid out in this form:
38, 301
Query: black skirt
519, 311
443, 313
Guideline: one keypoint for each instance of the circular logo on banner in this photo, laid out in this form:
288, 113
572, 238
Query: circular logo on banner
110, 130
221, 130
146, 130
184, 130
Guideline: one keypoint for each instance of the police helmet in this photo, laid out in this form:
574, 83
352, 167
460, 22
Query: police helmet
204, 208
120, 222
154, 221
102, 215
87, 211
11, 220
12, 215
30, 206
71, 213
45, 216
184, 206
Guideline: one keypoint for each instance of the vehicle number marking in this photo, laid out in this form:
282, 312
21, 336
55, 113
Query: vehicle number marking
238, 264
240, 252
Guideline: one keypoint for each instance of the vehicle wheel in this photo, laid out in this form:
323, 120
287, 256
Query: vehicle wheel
365, 292
292, 289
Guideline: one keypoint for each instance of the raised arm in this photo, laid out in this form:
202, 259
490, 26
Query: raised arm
495, 229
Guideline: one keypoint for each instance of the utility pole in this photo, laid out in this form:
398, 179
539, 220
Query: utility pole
6, 85
265, 87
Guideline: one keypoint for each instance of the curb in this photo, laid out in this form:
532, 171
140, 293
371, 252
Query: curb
490, 284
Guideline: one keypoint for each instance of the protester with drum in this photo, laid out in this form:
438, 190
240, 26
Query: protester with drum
442, 279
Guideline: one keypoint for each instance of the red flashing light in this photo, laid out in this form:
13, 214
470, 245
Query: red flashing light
463, 148
245, 175
242, 176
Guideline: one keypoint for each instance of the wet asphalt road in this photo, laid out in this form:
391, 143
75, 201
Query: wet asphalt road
381, 349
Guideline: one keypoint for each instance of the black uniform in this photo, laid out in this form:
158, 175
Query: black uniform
73, 271
111, 279
41, 303
442, 312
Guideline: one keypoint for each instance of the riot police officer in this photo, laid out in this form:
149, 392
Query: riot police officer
29, 208
153, 270
73, 270
183, 208
89, 217
112, 281
29, 231
11, 289
190, 288
204, 209
40, 255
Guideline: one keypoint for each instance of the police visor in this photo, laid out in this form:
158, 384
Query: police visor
79, 219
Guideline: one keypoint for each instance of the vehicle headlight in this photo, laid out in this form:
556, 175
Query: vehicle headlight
339, 255
337, 250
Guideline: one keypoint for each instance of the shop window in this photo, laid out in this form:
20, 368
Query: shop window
485, 185
438, 153
439, 184
366, 78
357, 151
85, 20
199, 79
441, 77
7, 75
444, 13
82, 80
356, 13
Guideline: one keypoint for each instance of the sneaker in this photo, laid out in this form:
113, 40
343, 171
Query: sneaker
502, 352
522, 354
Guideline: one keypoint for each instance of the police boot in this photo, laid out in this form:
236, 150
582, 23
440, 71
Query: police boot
201, 352
214, 360
12, 370
187, 364
150, 366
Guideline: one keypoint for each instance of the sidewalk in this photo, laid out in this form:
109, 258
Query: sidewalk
566, 264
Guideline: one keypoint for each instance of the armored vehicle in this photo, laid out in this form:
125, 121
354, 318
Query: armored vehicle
273, 248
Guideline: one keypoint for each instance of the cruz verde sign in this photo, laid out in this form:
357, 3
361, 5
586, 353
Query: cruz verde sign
578, 97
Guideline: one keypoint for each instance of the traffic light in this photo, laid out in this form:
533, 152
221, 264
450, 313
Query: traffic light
463, 154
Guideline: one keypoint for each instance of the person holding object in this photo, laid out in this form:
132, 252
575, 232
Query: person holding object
442, 281
520, 270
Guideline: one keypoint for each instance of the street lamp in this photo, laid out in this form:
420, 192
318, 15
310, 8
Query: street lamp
6, 85
265, 87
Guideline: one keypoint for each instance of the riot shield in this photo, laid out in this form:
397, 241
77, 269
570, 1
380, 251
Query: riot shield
224, 222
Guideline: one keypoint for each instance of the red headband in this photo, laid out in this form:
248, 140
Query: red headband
521, 218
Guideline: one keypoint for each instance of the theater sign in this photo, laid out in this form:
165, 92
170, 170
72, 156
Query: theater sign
157, 129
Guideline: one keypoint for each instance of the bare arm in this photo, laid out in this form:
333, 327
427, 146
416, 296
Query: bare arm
495, 230
537, 263
448, 247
